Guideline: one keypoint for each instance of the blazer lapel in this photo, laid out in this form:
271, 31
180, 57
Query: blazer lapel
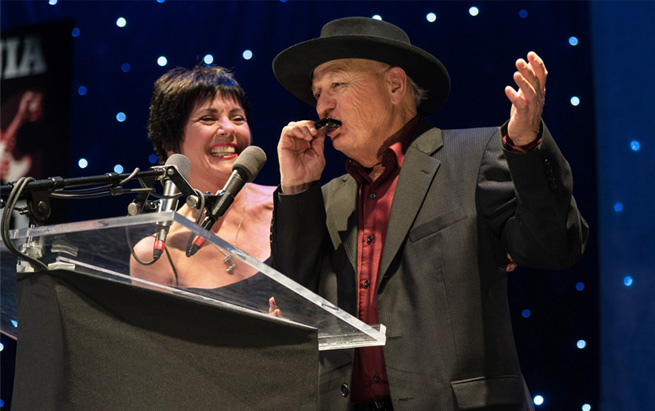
341, 209
416, 175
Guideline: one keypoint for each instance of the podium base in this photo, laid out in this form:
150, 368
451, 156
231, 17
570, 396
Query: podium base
87, 343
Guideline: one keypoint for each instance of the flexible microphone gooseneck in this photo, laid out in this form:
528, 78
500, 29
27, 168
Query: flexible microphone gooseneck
244, 170
169, 202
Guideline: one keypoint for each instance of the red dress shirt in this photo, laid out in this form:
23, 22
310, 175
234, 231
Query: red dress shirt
369, 381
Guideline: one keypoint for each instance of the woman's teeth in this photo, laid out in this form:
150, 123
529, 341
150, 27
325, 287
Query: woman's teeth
222, 151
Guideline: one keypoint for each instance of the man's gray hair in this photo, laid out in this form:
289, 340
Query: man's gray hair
419, 93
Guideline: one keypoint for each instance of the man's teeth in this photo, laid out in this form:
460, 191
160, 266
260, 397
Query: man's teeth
222, 151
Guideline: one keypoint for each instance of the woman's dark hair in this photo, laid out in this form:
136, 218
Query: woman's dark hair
176, 95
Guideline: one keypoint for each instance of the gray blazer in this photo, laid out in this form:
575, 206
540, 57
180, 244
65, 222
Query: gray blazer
462, 202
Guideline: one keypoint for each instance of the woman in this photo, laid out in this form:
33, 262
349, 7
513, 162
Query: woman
203, 114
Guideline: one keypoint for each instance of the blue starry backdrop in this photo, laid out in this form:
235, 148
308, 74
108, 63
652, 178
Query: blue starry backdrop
584, 335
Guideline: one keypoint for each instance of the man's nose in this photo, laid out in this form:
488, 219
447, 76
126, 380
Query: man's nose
324, 105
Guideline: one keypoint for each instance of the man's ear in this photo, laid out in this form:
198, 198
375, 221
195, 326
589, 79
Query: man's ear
397, 81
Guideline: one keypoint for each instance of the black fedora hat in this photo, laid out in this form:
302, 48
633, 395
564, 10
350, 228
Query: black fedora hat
364, 38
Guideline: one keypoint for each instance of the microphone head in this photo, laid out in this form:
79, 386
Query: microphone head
249, 162
181, 162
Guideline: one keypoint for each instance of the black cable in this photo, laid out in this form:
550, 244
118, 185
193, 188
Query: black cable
6, 220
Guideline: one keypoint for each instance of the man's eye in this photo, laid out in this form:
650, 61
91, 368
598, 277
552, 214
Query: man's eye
335, 85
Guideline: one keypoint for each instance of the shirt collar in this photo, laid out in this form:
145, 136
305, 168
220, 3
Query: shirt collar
392, 158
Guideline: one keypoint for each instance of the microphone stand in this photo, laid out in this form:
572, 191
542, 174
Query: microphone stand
37, 194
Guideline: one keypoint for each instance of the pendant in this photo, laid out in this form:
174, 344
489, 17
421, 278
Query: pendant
229, 265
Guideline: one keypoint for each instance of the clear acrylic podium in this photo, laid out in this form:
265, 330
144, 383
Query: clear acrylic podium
91, 335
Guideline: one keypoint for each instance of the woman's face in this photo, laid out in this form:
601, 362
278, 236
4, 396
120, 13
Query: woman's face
215, 134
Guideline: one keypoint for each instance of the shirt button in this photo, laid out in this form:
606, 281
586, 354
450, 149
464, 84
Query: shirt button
372, 195
369, 239
376, 378
367, 283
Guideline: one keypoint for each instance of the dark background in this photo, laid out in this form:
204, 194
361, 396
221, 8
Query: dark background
609, 70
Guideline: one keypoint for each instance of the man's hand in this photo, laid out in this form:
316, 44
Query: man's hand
300, 152
528, 101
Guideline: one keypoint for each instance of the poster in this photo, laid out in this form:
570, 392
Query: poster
35, 72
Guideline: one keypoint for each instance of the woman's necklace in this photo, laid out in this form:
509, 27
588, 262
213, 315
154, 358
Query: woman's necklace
229, 264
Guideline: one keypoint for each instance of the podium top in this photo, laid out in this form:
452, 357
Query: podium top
102, 248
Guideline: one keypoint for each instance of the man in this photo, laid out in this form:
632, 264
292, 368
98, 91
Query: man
419, 234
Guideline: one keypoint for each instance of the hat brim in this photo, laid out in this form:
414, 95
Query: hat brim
294, 66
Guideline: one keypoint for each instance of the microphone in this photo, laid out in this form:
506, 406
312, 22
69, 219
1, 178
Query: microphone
182, 166
244, 170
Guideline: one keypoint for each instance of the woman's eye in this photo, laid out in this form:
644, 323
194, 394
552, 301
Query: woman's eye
239, 119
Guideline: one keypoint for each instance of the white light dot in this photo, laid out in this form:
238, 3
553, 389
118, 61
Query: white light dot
121, 22
634, 145
627, 281
52, 2
573, 41
538, 400
120, 117
376, 17
474, 11
575, 101
2, 346
208, 59
82, 163
247, 54
581, 344
162, 61
431, 17
14, 323
118, 168
586, 407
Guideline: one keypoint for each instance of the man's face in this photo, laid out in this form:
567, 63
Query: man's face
355, 92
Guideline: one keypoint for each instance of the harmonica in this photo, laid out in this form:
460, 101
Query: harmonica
327, 124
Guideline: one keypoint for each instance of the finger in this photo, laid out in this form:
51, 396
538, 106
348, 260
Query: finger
512, 94
304, 130
528, 74
526, 90
294, 132
272, 305
318, 144
539, 68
